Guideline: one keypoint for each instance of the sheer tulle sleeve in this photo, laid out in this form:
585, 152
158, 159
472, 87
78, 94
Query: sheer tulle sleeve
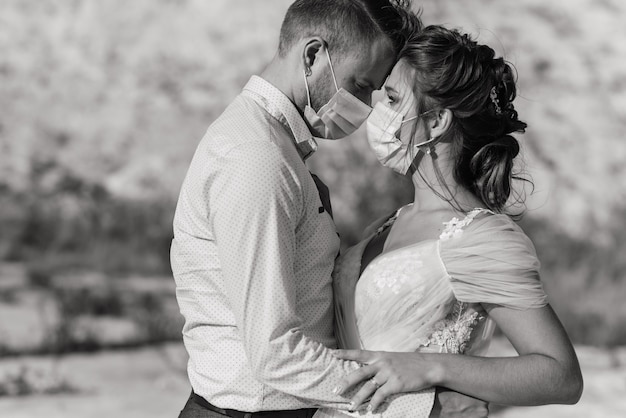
491, 260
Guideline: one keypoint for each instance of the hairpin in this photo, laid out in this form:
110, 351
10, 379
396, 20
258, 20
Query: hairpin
494, 99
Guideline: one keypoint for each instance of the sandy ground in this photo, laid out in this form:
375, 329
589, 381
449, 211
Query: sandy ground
151, 382
148, 382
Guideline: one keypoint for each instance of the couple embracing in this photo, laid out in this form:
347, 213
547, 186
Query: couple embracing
276, 323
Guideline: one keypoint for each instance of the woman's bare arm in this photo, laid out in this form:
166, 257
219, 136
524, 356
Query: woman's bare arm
546, 370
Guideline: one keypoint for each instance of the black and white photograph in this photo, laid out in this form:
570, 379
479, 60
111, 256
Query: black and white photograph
312, 208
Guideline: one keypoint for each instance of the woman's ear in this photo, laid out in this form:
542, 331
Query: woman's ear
312, 47
440, 124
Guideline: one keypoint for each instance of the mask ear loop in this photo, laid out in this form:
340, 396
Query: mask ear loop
407, 120
418, 158
431, 148
429, 142
332, 71
306, 85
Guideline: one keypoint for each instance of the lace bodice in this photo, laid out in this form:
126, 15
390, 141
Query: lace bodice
428, 296
410, 281
452, 333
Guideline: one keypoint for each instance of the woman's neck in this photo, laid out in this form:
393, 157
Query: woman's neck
435, 192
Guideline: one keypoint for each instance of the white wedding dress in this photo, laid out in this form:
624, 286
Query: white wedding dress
428, 296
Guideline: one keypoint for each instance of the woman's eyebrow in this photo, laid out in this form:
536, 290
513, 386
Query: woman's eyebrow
391, 89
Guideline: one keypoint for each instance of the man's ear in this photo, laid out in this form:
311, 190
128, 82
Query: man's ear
312, 48
440, 124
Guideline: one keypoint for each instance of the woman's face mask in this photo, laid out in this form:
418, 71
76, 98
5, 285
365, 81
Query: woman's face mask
389, 134
340, 117
393, 152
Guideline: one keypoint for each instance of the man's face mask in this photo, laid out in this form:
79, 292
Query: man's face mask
340, 117
393, 152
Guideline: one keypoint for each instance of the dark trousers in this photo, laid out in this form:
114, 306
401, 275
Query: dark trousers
198, 407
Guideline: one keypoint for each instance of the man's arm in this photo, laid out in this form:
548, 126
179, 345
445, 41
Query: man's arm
256, 203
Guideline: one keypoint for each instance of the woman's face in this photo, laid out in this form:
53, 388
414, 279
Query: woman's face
400, 97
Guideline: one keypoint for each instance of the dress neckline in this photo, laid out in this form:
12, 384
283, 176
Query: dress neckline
453, 228
451, 224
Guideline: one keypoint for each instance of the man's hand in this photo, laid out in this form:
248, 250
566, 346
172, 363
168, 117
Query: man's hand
450, 404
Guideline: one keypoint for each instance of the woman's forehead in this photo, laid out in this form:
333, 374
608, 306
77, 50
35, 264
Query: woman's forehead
399, 79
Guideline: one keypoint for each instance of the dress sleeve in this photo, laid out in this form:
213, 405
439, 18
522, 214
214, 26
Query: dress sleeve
493, 261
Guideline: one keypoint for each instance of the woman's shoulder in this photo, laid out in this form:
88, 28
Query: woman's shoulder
482, 226
489, 258
487, 237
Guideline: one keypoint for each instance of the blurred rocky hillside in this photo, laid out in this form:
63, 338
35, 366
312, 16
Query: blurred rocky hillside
103, 103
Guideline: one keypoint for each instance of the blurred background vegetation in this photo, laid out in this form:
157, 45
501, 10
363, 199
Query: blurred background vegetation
103, 103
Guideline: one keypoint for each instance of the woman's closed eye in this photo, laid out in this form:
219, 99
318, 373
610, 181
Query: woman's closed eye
391, 99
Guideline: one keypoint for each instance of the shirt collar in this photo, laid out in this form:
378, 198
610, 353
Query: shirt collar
282, 109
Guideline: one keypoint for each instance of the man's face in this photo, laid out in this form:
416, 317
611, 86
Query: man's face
359, 73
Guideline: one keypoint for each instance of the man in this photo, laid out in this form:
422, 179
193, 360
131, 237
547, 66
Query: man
254, 240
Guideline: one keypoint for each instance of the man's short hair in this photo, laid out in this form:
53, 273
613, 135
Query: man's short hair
348, 25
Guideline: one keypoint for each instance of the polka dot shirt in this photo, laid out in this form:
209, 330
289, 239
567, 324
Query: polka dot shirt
252, 256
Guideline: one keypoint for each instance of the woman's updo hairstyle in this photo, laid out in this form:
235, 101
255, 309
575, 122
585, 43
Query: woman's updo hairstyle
454, 72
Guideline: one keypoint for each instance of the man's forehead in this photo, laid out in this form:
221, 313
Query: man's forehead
372, 64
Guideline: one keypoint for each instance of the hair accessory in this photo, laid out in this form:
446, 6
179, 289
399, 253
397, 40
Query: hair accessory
494, 99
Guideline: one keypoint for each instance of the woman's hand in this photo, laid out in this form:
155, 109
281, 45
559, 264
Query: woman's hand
393, 373
386, 374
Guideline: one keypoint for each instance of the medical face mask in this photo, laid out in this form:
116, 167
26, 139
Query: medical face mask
340, 117
393, 152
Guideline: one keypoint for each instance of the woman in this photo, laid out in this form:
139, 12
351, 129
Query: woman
434, 277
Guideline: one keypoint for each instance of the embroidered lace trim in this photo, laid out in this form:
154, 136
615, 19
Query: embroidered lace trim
454, 227
453, 333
